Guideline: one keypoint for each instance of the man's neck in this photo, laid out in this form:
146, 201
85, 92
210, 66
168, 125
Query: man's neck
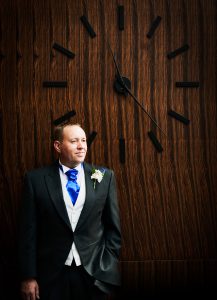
69, 165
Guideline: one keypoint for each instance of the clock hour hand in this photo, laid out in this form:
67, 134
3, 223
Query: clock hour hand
121, 81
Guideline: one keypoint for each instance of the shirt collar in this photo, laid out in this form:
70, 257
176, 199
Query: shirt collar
65, 168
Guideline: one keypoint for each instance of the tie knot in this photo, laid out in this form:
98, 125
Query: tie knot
72, 174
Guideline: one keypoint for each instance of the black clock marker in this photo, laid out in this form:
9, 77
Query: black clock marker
91, 138
64, 118
154, 26
88, 26
120, 78
155, 141
178, 51
63, 50
178, 117
187, 84
58, 84
2, 55
121, 17
122, 150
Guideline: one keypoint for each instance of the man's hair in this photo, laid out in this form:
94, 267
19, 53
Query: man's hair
58, 130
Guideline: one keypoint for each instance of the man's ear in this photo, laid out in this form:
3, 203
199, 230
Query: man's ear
57, 146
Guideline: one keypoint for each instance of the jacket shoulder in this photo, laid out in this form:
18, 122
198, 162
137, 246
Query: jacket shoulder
42, 170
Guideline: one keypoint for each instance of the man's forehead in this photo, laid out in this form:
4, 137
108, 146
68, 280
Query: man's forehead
73, 130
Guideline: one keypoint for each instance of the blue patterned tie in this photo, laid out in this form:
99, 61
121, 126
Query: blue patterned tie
72, 185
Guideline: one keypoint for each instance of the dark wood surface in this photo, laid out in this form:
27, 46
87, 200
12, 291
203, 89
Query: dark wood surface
168, 201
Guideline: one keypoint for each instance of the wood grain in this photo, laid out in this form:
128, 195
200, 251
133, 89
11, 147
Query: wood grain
167, 201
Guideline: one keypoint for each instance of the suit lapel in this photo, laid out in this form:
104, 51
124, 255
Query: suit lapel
90, 195
55, 190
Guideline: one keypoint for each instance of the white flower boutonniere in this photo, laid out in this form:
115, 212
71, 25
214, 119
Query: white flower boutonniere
97, 175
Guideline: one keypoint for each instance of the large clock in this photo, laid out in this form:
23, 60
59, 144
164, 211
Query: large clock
122, 84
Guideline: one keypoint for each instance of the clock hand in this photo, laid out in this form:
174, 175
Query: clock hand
120, 78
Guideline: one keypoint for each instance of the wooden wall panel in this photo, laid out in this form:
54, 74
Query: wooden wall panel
167, 201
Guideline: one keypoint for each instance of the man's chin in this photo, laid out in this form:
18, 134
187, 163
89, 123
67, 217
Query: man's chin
80, 160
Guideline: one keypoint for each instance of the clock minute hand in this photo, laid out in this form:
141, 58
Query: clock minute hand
131, 94
147, 113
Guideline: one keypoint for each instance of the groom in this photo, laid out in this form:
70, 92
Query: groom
70, 231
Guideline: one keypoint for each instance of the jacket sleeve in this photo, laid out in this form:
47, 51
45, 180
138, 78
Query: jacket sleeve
27, 233
111, 220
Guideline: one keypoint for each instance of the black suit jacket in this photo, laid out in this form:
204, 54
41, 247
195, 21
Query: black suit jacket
46, 235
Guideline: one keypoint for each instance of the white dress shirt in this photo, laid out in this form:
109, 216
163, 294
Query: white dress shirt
73, 211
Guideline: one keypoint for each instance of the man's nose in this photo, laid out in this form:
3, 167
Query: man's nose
79, 144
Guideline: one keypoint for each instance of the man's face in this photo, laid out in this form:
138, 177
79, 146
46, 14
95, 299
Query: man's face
73, 147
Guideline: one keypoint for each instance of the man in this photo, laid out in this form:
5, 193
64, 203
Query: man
70, 232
